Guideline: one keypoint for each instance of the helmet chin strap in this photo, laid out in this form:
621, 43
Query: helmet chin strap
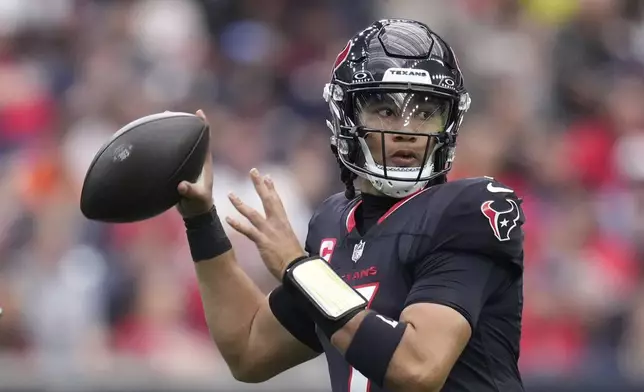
392, 187
397, 189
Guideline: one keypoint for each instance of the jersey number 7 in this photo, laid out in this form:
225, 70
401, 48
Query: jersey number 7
358, 382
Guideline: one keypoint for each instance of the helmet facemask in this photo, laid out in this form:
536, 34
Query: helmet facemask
394, 137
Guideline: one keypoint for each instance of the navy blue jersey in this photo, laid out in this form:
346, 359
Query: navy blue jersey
459, 244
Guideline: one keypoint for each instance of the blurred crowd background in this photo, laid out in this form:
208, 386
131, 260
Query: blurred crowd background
558, 114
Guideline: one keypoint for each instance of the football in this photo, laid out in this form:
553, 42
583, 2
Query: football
135, 174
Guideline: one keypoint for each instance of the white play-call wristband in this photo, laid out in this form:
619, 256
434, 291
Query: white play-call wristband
325, 288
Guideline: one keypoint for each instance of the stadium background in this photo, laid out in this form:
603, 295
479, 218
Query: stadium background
558, 94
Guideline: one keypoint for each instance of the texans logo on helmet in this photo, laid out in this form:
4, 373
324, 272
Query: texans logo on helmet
342, 56
502, 222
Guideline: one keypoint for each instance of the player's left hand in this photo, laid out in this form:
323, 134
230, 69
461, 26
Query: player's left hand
271, 232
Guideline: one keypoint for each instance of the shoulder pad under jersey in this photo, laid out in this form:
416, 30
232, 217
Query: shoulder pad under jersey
328, 215
480, 215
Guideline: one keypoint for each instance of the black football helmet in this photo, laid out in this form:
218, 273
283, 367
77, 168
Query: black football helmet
399, 82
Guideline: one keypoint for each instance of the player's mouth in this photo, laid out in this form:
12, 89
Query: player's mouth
403, 158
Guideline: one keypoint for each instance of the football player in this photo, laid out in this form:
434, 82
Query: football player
413, 283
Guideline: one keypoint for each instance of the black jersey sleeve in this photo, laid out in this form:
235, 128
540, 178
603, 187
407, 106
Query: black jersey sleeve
464, 281
482, 217
309, 248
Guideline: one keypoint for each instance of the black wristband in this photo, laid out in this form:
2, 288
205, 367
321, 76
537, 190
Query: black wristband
372, 360
206, 236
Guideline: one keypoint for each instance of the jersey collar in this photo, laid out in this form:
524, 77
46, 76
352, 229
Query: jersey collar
351, 218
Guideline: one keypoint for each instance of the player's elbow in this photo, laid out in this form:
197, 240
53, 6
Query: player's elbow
249, 375
254, 370
422, 377
248, 378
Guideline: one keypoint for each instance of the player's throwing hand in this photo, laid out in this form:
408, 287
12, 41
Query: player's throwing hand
272, 232
197, 197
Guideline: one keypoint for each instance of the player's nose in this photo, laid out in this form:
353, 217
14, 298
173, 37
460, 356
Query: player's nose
403, 138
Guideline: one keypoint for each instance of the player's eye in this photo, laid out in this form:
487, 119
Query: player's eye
385, 113
427, 112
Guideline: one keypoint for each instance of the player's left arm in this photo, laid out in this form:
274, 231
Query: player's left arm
418, 352
472, 252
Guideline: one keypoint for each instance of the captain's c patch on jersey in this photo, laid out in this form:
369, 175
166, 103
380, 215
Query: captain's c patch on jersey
327, 245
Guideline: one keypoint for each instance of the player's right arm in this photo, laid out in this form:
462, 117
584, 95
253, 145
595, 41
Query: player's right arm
258, 337
254, 344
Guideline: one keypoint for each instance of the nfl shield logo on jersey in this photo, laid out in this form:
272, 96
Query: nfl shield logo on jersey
357, 251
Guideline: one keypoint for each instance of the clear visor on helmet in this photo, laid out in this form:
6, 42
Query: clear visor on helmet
407, 112
399, 132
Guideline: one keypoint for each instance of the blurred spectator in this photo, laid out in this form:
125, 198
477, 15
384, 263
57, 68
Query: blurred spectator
583, 53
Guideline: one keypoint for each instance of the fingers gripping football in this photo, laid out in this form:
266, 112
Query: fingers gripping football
272, 231
197, 196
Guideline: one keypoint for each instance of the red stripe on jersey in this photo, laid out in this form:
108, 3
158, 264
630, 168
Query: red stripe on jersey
400, 204
351, 218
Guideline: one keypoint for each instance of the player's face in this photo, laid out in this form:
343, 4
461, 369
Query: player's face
412, 117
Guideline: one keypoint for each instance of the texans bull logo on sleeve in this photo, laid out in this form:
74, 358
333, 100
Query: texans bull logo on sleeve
502, 222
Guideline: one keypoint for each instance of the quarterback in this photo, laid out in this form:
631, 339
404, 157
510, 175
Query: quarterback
407, 282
